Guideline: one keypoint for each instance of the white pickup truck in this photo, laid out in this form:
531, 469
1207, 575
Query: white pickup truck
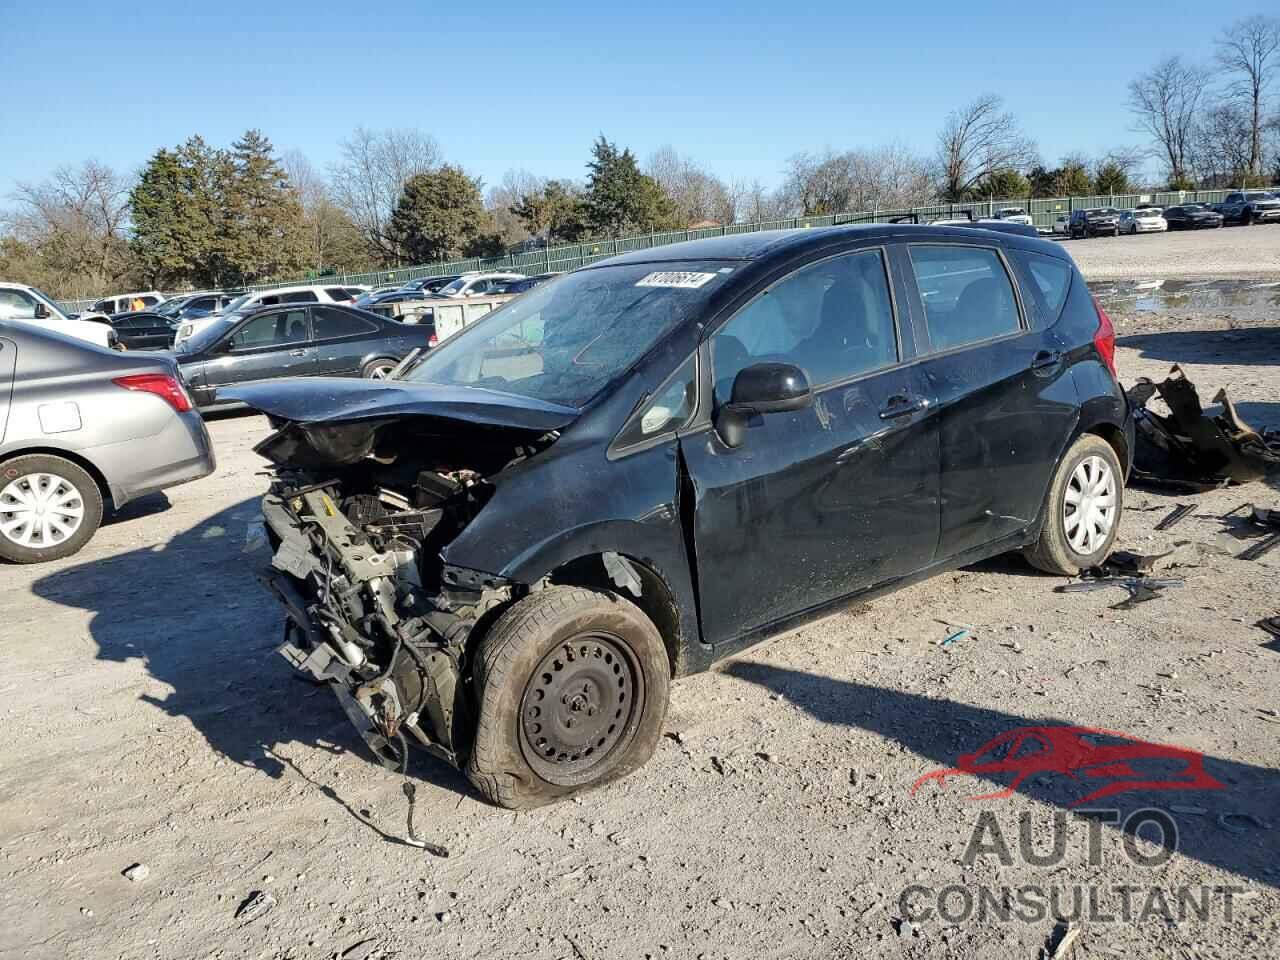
29, 305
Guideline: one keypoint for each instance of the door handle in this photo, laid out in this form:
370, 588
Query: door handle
1046, 359
297, 353
900, 405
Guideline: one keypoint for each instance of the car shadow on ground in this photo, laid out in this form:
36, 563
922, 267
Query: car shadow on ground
146, 506
940, 730
1257, 346
193, 611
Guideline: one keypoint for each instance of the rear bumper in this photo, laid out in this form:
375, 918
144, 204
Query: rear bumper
179, 453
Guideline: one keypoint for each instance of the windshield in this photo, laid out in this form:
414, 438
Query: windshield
455, 287
1108, 212
210, 333
566, 340
1258, 196
236, 304
51, 303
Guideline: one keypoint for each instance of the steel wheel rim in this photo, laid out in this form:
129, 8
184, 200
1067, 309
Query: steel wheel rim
40, 510
381, 371
579, 707
1089, 505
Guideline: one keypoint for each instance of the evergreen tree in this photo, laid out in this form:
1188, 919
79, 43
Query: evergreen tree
556, 212
1111, 179
620, 199
440, 216
263, 218
177, 214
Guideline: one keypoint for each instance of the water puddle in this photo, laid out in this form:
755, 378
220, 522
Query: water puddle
1243, 299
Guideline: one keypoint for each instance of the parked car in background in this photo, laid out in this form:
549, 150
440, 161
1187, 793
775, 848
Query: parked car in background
307, 293
1143, 220
1062, 224
1094, 222
429, 284
144, 330
879, 403
1192, 216
30, 305
397, 295
1015, 215
126, 302
294, 340
83, 430
476, 284
524, 283
194, 305
1249, 206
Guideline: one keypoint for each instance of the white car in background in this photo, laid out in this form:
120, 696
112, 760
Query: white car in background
310, 293
32, 306
1146, 220
1062, 224
127, 303
477, 284
1014, 215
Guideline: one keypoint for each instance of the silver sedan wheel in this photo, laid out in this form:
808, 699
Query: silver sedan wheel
40, 510
380, 371
1089, 508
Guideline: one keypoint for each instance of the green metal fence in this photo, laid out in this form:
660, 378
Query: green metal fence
569, 256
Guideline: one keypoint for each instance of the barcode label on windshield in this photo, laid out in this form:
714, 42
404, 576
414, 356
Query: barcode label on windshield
676, 278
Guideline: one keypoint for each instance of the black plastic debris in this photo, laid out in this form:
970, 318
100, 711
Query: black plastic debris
1188, 449
1125, 563
1141, 589
1264, 519
1177, 515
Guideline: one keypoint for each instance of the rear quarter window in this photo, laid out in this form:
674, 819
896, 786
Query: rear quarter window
1045, 283
966, 292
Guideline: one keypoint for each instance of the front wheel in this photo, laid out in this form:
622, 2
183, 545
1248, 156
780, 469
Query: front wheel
49, 508
572, 687
1082, 509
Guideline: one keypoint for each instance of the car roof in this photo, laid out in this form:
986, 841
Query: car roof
768, 244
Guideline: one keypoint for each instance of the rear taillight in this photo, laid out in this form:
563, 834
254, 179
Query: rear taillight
432, 340
1105, 338
167, 388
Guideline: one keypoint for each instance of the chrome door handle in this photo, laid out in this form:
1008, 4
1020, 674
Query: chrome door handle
297, 353
901, 405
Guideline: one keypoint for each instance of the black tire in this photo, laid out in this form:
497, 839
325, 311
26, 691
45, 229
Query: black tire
1115, 231
80, 491
593, 637
378, 368
1246, 218
1053, 552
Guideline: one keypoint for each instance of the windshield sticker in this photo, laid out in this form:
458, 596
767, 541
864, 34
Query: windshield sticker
676, 278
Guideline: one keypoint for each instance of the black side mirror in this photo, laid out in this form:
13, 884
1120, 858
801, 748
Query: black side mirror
762, 388
42, 312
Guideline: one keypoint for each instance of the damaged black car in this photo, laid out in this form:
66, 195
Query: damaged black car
505, 552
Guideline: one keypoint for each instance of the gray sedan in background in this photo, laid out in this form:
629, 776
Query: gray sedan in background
82, 427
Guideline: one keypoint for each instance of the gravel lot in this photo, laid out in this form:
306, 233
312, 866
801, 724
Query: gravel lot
149, 721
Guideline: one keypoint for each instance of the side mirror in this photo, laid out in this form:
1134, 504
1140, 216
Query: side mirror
762, 388
42, 312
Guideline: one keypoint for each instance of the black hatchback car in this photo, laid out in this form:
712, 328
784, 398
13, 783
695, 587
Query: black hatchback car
646, 465
292, 340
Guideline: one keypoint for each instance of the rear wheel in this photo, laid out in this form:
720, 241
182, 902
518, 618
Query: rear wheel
572, 686
378, 369
49, 508
1082, 509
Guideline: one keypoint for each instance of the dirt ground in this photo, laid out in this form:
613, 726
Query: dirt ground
1217, 254
147, 720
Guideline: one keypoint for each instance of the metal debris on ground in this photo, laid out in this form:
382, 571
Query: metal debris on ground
1177, 515
1141, 589
259, 904
955, 638
1123, 562
1189, 448
1271, 625
137, 873
1263, 518
1061, 941
411, 794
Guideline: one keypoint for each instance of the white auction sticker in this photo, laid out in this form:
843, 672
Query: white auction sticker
676, 278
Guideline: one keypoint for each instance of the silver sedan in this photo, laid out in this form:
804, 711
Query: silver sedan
81, 428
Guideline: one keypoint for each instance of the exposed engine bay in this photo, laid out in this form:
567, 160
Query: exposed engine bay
357, 516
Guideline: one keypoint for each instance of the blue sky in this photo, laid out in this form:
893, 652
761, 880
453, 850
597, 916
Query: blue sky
738, 86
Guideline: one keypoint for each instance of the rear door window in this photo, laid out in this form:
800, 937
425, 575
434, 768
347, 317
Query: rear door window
966, 292
1045, 281
331, 324
302, 296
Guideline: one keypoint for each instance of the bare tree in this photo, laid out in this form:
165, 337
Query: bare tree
332, 238
76, 221
697, 194
1166, 101
878, 178
370, 176
507, 194
1249, 52
978, 140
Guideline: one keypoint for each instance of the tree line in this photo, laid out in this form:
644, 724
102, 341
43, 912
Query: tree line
201, 215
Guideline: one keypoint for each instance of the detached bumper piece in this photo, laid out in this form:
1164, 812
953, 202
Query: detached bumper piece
360, 621
1189, 450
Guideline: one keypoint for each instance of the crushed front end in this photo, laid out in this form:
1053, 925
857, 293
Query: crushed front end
357, 516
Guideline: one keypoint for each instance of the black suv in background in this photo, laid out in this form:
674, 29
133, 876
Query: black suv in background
1100, 221
641, 467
